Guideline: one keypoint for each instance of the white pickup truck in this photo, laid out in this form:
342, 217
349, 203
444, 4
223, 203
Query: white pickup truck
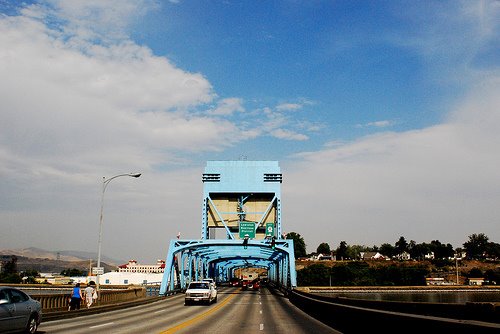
200, 292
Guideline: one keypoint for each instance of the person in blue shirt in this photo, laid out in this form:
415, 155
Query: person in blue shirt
76, 298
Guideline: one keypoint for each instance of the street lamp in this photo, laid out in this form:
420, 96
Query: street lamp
105, 183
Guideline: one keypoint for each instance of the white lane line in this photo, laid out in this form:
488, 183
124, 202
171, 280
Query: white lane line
102, 325
261, 327
260, 311
160, 311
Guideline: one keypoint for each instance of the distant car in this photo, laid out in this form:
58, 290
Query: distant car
209, 280
256, 285
200, 292
18, 311
235, 282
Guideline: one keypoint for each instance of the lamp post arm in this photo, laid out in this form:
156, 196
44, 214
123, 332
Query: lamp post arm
105, 183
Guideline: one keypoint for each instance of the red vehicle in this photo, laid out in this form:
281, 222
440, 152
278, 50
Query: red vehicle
250, 285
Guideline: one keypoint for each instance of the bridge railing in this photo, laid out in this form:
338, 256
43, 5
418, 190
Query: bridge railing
153, 289
60, 302
346, 318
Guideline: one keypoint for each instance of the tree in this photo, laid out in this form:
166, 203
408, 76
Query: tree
342, 251
28, 276
401, 246
448, 251
10, 267
492, 276
387, 250
476, 246
493, 250
441, 251
72, 272
299, 245
475, 273
419, 251
354, 251
314, 275
9, 272
323, 248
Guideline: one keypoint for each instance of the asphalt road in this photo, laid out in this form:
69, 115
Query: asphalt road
235, 312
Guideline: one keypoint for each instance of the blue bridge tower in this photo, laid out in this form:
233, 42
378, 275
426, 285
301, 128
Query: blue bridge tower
240, 228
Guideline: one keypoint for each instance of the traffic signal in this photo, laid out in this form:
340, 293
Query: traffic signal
273, 243
245, 241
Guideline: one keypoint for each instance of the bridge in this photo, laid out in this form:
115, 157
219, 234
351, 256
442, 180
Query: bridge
269, 311
240, 228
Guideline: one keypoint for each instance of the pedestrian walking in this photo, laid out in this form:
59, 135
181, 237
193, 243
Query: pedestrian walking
76, 298
89, 293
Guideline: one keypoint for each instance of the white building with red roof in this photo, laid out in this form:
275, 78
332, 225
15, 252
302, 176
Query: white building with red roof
133, 267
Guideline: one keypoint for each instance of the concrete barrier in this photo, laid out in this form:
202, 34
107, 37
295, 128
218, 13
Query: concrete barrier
60, 302
357, 319
482, 311
56, 315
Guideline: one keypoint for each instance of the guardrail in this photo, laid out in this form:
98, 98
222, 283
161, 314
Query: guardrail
357, 319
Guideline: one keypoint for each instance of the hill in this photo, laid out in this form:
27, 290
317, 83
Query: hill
63, 255
55, 261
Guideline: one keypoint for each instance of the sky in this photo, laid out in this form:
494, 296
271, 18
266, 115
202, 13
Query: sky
384, 117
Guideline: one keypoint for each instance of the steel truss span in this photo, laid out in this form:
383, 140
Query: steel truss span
241, 201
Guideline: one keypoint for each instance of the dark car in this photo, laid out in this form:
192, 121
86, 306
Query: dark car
18, 311
235, 282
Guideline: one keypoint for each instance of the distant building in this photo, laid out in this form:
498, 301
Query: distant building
318, 257
121, 278
133, 267
372, 256
429, 256
129, 278
405, 256
476, 281
435, 281
50, 278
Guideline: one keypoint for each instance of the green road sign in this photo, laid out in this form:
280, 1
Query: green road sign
269, 229
247, 228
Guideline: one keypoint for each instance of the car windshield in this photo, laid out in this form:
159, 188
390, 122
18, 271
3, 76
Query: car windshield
197, 285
